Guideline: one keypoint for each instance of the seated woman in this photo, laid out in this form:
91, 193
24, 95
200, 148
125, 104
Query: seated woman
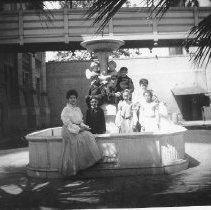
80, 150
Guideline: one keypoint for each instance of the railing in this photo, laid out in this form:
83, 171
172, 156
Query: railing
22, 29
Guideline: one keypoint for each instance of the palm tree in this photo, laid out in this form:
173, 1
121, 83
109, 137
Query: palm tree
200, 35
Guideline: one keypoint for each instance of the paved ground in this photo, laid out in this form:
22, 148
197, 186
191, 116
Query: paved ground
191, 187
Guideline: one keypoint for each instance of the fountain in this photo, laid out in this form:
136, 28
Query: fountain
102, 47
138, 153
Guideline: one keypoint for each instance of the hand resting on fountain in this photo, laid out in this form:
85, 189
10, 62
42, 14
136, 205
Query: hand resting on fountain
84, 127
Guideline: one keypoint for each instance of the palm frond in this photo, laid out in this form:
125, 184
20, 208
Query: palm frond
40, 9
105, 10
200, 36
160, 8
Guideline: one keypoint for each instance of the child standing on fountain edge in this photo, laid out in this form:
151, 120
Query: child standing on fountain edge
95, 117
149, 113
124, 116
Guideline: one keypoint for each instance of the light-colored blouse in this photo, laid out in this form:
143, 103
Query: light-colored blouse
124, 112
149, 109
125, 109
72, 117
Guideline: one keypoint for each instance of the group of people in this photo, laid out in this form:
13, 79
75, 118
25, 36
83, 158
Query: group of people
79, 146
147, 114
108, 87
116, 88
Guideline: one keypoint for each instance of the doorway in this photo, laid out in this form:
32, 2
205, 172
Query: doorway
191, 106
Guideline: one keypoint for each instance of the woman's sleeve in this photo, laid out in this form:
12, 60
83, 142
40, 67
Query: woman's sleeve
157, 116
88, 117
135, 113
65, 117
131, 86
163, 109
141, 115
118, 115
154, 97
82, 124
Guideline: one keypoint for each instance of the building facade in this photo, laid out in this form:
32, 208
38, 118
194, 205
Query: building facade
173, 79
23, 96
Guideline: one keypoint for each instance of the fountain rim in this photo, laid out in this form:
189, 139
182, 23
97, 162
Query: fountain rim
34, 136
102, 40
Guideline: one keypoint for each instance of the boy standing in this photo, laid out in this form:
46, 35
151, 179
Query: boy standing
95, 117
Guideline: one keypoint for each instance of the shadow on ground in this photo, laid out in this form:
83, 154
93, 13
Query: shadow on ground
20, 191
191, 187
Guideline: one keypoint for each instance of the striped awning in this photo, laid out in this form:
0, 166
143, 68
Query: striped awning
188, 90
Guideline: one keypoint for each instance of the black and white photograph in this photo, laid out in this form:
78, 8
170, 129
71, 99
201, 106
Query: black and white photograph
105, 104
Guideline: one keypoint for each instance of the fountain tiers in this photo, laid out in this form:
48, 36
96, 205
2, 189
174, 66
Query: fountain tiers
102, 47
124, 154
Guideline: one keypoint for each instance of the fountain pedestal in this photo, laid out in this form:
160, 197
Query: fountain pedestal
110, 111
102, 49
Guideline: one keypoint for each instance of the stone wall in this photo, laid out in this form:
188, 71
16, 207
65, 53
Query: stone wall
62, 76
163, 73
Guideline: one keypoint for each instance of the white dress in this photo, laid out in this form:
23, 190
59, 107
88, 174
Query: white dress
80, 149
149, 116
124, 117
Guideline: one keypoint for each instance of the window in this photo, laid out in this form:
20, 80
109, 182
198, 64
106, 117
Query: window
13, 85
25, 79
9, 58
38, 66
38, 84
5, 73
175, 51
26, 62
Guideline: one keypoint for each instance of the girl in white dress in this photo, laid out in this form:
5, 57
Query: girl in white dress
124, 117
149, 113
80, 149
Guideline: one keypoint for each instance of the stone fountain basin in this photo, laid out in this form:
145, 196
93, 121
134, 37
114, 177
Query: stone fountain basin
124, 154
102, 45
